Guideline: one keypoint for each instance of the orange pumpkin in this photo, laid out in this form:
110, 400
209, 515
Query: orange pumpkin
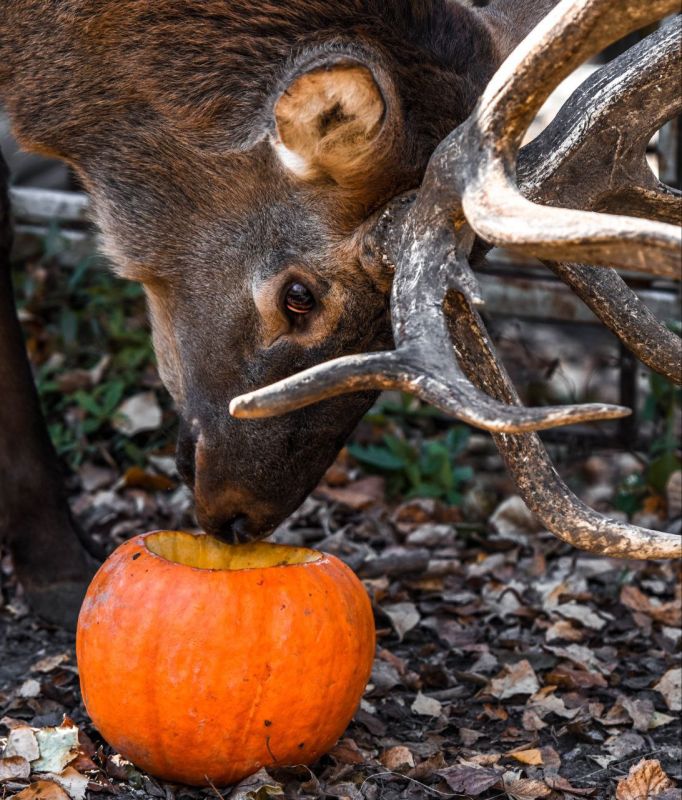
201, 661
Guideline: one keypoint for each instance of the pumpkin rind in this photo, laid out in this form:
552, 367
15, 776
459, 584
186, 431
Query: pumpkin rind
199, 675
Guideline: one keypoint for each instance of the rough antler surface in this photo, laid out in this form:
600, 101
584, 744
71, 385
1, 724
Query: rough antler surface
491, 200
471, 181
629, 100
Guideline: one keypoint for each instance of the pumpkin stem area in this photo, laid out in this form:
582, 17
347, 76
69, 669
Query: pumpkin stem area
206, 552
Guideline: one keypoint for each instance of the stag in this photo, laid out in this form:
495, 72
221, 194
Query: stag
298, 156
580, 197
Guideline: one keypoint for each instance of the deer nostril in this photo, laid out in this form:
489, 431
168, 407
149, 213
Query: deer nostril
233, 530
241, 528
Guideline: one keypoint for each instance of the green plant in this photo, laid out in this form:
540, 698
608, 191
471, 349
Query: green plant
661, 411
74, 316
424, 469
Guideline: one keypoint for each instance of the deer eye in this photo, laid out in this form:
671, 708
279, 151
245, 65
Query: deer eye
299, 299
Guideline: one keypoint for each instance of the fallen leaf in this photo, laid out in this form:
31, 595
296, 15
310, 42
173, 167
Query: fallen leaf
357, 495
580, 655
426, 706
397, 758
532, 757
259, 786
72, 781
93, 477
138, 413
513, 516
563, 630
29, 688
643, 714
525, 788
624, 745
428, 767
469, 737
403, 616
119, 768
582, 614
666, 613
673, 494
22, 742
481, 759
14, 768
432, 535
57, 747
531, 721
519, 678
49, 663
560, 784
137, 478
495, 712
551, 760
660, 719
616, 715
645, 780
347, 752
670, 686
546, 702
568, 678
470, 781
42, 790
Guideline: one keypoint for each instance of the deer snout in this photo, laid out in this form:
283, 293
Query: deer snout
233, 530
225, 507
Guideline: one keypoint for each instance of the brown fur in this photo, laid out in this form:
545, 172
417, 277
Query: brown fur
171, 112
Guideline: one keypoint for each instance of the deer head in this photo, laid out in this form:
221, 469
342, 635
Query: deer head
237, 160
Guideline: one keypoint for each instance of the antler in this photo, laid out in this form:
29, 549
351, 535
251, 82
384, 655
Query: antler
423, 362
538, 482
471, 181
491, 200
628, 100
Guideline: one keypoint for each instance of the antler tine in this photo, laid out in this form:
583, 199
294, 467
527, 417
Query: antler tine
539, 484
491, 200
636, 92
354, 373
393, 370
423, 363
619, 308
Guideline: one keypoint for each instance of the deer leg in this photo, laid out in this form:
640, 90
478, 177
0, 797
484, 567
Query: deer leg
35, 521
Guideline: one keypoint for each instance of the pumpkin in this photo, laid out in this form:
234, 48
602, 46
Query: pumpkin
201, 661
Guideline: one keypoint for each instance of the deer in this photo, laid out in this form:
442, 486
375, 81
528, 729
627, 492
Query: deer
249, 166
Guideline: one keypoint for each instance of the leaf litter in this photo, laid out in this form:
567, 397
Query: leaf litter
508, 665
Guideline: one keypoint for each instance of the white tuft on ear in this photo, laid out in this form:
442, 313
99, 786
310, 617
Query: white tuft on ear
327, 123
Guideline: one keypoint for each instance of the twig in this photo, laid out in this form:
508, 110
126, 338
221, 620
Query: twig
212, 785
430, 789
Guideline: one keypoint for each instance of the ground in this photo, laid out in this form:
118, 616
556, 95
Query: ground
508, 665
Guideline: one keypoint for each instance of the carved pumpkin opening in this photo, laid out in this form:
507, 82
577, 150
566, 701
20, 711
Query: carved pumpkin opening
206, 552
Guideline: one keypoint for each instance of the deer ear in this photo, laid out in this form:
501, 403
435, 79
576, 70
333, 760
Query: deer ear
327, 123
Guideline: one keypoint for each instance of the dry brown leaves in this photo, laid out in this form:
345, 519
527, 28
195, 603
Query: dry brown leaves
645, 781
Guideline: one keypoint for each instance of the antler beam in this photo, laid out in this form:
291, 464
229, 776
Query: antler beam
538, 482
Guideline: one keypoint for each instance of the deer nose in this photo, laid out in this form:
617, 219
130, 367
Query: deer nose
235, 530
